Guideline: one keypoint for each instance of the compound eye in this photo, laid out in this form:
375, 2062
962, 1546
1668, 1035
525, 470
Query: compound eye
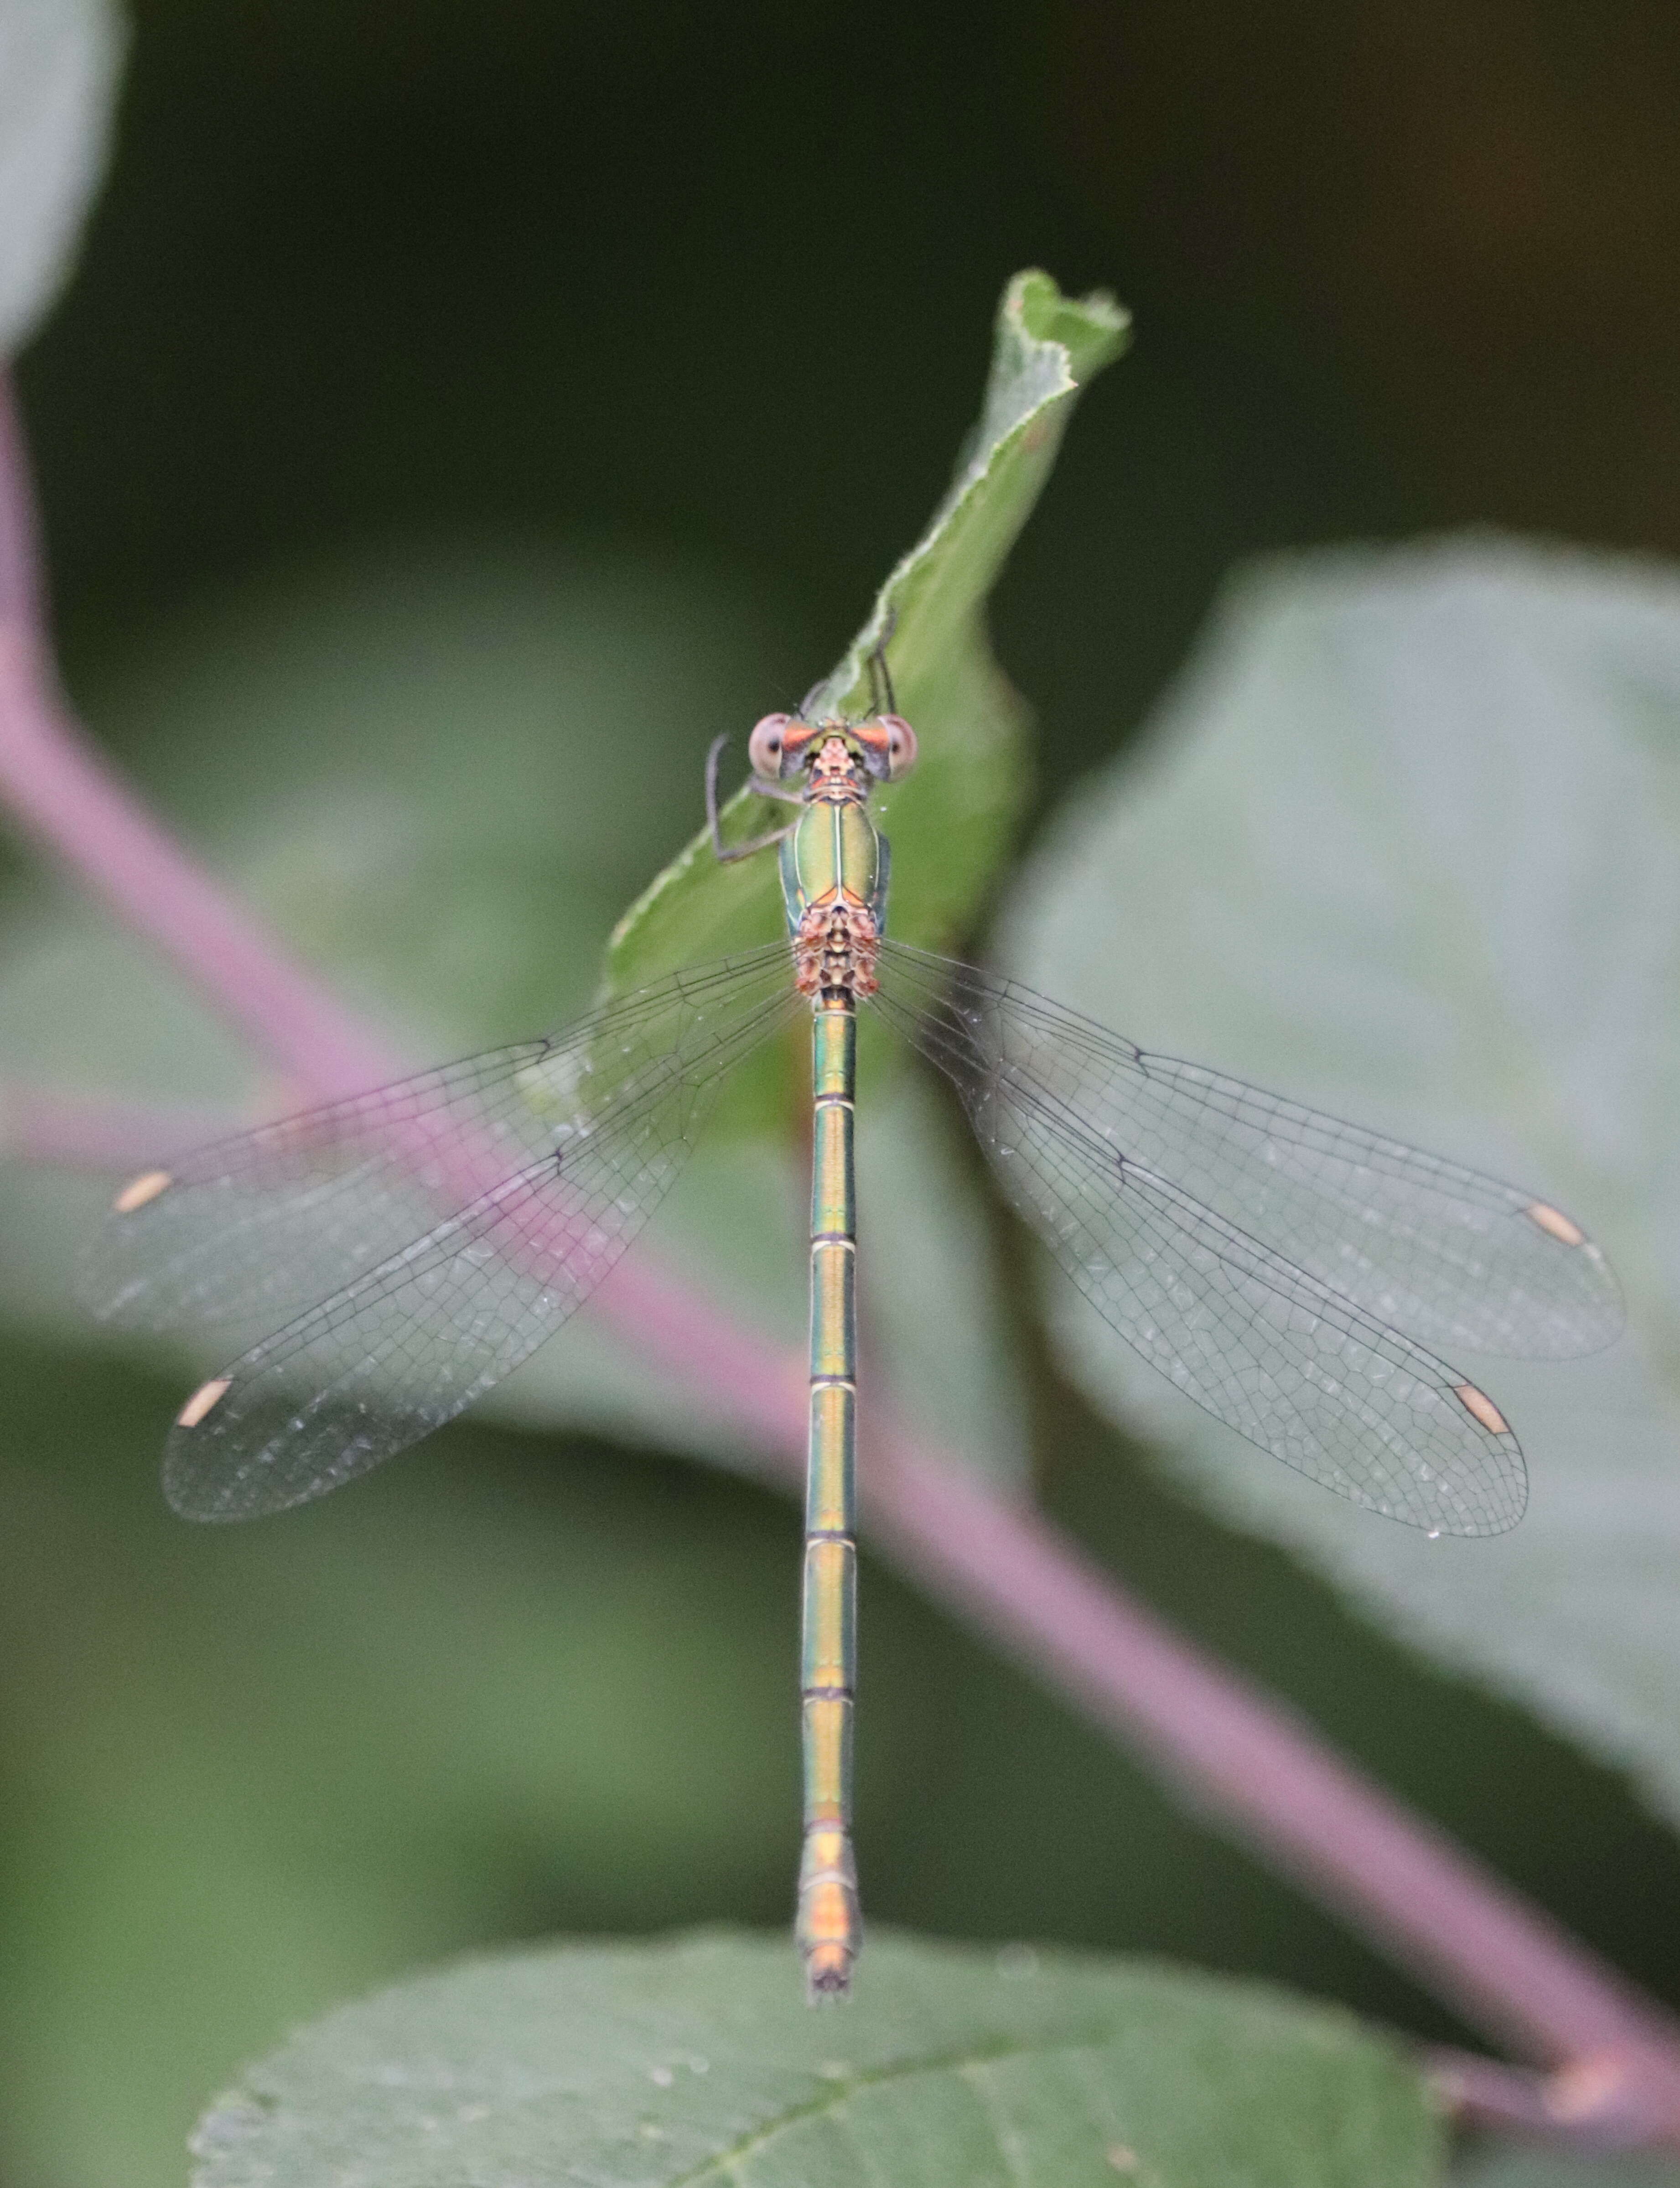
763, 747
900, 745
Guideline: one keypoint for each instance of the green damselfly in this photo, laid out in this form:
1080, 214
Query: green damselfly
409, 1247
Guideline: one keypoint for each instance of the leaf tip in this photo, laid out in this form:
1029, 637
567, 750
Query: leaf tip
1094, 330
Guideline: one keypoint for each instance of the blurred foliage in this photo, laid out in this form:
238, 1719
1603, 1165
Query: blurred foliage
1405, 842
59, 69
670, 2063
1520, 2165
403, 341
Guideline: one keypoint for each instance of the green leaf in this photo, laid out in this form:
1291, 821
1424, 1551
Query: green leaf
1406, 845
59, 63
951, 820
695, 2060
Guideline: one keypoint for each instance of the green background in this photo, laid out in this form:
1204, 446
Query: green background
654, 329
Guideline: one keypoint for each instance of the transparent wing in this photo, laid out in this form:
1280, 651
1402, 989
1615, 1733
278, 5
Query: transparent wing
1448, 1255
1102, 1151
253, 1229
453, 1222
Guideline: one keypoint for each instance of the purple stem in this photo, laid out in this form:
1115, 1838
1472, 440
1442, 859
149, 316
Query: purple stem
76, 807
1496, 1959
78, 1132
21, 605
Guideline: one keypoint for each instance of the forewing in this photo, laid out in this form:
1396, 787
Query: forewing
248, 1232
1295, 1366
510, 1250
1426, 1246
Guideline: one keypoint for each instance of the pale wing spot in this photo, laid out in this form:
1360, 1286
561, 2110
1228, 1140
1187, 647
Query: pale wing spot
204, 1400
1554, 1220
1479, 1403
1121, 2159
139, 1190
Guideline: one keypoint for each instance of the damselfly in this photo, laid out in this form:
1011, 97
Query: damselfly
409, 1247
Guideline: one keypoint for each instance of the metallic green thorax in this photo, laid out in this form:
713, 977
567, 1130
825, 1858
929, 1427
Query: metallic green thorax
834, 849
833, 860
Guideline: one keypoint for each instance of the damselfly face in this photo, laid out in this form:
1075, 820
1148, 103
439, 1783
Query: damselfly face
783, 746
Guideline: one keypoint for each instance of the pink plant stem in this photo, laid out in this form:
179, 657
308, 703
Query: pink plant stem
21, 605
76, 807
76, 1131
1499, 1960
79, 811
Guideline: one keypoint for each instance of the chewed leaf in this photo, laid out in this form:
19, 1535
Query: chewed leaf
697, 2061
950, 819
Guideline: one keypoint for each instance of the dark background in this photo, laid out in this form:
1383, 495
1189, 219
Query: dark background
714, 283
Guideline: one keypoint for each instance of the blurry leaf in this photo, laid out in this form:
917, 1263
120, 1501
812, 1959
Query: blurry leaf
698, 2060
1521, 2165
441, 766
1406, 845
932, 1325
950, 819
59, 61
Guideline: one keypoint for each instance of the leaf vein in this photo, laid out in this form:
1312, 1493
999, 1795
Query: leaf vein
724, 2162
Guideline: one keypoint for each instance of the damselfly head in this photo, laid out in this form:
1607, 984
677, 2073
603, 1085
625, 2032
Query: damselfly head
882, 746
783, 745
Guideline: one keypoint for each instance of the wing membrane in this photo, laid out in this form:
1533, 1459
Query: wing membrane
1131, 1166
1452, 1257
249, 1232
464, 1214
